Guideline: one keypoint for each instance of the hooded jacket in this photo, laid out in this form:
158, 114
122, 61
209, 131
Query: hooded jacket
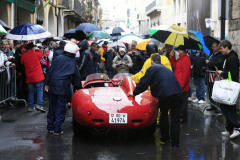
31, 62
122, 68
86, 60
199, 64
231, 65
62, 73
182, 68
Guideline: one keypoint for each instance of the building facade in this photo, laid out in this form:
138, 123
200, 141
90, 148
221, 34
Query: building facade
234, 24
56, 16
163, 12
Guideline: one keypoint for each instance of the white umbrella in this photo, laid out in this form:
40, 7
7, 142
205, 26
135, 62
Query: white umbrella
130, 38
2, 30
28, 32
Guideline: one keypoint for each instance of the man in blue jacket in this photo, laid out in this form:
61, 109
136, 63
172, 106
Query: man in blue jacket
62, 73
86, 60
164, 86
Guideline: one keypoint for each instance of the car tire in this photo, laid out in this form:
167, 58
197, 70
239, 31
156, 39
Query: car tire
77, 128
151, 129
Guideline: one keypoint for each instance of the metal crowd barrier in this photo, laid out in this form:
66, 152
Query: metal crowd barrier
8, 91
211, 77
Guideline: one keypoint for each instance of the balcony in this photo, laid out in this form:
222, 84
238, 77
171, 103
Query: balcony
67, 4
74, 9
155, 6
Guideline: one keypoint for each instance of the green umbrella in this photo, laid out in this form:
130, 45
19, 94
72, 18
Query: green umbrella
2, 30
99, 34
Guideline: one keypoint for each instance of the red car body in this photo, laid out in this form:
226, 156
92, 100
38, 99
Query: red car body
93, 107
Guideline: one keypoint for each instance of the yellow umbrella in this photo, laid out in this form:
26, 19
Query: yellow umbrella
176, 35
142, 45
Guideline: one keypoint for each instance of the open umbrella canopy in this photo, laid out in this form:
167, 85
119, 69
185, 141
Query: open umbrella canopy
4, 25
200, 37
28, 32
175, 35
208, 40
118, 31
53, 39
87, 27
2, 30
142, 45
118, 43
99, 34
129, 39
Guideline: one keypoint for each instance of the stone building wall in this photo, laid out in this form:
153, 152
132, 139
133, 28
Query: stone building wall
234, 25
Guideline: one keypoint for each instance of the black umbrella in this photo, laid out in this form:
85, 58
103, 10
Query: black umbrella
5, 26
70, 34
208, 40
52, 39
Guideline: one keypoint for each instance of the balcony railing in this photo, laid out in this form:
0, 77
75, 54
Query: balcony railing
66, 4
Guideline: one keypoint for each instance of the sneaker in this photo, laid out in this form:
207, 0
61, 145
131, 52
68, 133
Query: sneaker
195, 100
40, 108
50, 132
201, 102
189, 99
225, 133
58, 134
30, 109
236, 132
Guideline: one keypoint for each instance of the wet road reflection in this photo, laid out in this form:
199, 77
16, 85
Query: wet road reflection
26, 138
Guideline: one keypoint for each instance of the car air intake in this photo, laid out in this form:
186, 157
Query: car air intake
137, 120
97, 120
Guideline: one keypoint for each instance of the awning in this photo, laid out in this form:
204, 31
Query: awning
26, 4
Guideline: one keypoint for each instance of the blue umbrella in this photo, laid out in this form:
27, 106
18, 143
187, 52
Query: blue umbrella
71, 31
200, 37
87, 27
28, 32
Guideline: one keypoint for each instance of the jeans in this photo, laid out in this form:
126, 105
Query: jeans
190, 88
21, 87
56, 112
200, 87
231, 116
32, 89
184, 107
174, 104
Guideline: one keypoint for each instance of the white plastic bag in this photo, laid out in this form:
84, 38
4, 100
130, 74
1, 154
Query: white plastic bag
225, 92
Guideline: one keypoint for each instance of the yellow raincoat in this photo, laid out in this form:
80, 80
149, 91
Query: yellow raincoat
102, 51
147, 64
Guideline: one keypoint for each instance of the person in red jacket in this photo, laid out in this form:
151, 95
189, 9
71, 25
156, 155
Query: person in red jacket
34, 76
182, 67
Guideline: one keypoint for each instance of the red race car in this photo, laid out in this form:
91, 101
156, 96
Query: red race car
104, 104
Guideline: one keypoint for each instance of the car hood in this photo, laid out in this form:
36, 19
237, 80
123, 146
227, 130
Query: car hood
108, 99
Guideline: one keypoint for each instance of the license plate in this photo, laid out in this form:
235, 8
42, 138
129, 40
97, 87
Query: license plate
118, 118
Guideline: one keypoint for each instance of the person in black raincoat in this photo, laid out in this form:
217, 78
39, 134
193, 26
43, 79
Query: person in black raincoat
137, 60
109, 56
62, 73
198, 61
86, 60
96, 56
59, 49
